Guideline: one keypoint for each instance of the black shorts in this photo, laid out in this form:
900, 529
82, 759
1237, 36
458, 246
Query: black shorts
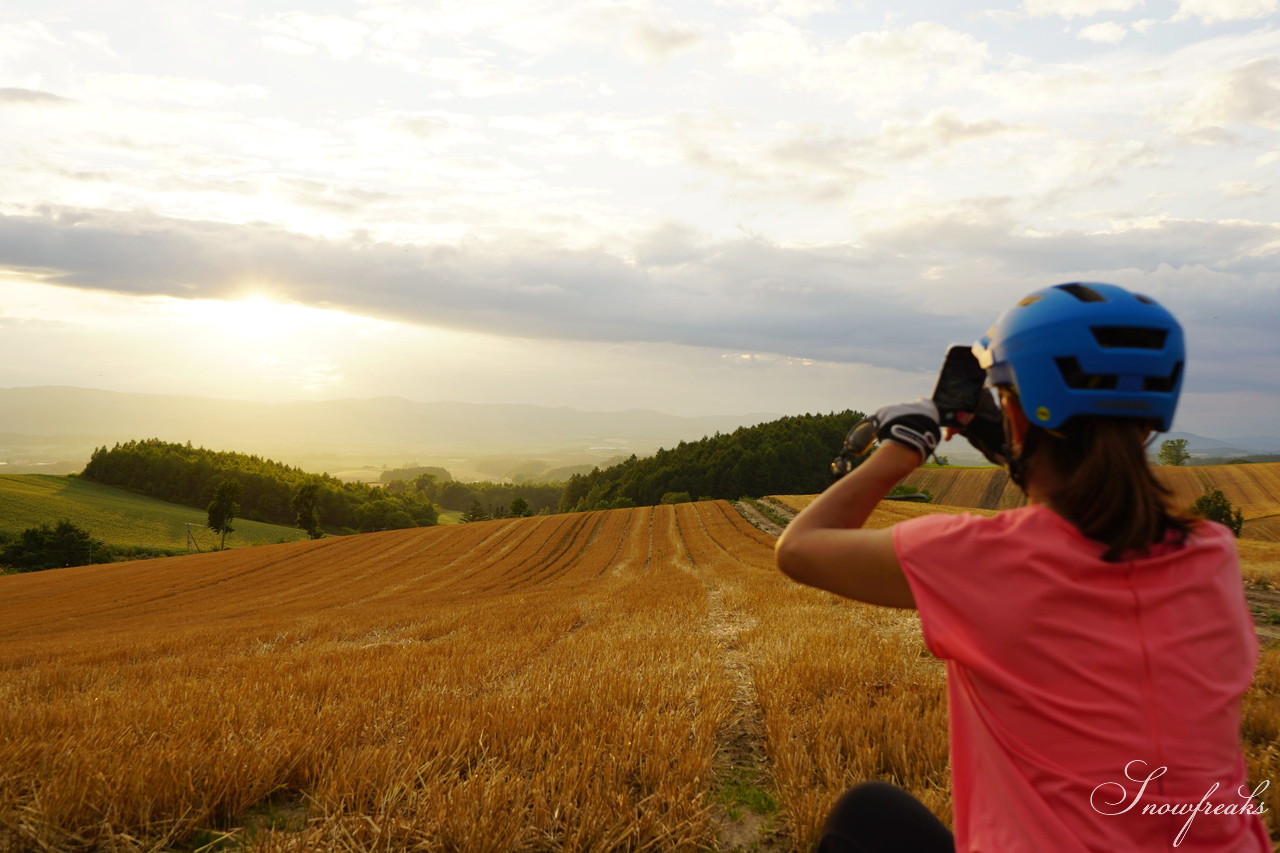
876, 817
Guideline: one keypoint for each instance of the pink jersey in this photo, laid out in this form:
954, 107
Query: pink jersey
1094, 706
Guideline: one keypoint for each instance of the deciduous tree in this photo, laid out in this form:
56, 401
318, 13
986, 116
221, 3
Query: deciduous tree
223, 509
1213, 505
306, 500
1173, 451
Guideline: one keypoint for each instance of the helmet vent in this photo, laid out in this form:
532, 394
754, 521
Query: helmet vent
1082, 292
1075, 377
1129, 337
1163, 384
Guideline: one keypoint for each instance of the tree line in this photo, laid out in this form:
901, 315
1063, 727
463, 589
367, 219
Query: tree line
265, 490
791, 455
489, 500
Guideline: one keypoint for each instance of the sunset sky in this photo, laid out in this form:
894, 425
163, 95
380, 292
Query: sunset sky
713, 207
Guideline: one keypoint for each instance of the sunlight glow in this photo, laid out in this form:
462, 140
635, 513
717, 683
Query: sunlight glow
258, 318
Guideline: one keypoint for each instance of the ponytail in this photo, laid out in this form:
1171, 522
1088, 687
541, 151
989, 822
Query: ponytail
1106, 487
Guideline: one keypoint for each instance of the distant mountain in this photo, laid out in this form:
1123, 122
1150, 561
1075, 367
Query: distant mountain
1257, 443
1250, 445
84, 416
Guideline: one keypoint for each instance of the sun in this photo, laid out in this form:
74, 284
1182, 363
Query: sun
259, 318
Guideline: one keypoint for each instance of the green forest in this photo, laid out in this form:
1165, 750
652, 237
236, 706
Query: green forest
269, 491
483, 499
789, 456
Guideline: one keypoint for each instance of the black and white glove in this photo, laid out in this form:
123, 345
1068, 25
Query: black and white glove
914, 425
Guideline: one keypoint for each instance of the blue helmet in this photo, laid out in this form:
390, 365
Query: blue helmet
1087, 349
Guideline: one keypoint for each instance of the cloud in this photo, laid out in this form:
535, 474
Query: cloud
878, 70
301, 32
31, 96
1218, 11
149, 90
824, 163
812, 164
640, 29
1076, 8
933, 282
21, 39
1107, 32
670, 244
468, 76
1243, 189
941, 129
642, 32
1246, 94
745, 294
782, 8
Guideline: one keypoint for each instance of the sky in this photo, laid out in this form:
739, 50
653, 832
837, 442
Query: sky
719, 207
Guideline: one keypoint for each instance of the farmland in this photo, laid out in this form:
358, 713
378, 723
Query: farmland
623, 679
117, 517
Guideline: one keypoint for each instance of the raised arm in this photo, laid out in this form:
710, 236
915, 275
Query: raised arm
825, 546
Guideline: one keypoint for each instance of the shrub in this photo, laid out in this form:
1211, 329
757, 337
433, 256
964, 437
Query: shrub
907, 492
1213, 505
45, 547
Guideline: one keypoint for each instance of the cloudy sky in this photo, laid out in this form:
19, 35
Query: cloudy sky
698, 207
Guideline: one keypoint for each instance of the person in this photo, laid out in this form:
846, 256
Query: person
1097, 643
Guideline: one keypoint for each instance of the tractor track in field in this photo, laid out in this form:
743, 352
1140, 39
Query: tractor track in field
1264, 604
755, 511
741, 761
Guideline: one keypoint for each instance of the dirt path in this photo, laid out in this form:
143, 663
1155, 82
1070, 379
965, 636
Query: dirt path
779, 507
744, 787
771, 520
1265, 606
757, 518
741, 762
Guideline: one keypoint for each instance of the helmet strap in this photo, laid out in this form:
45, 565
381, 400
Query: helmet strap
1015, 464
1017, 435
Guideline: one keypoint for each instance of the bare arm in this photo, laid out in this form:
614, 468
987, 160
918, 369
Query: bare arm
824, 546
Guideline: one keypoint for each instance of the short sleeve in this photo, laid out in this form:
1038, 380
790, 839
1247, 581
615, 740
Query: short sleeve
940, 560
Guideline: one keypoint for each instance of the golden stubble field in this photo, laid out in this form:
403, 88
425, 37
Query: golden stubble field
633, 679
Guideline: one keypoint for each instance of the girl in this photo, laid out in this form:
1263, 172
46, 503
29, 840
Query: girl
1096, 643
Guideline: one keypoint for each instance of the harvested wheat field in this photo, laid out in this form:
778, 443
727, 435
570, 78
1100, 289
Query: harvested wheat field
636, 679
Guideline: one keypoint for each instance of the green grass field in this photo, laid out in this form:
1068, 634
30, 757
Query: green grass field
117, 517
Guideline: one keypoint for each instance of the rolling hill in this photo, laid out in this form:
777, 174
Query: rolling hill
118, 517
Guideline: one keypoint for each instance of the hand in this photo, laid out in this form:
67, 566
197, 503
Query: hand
985, 431
914, 425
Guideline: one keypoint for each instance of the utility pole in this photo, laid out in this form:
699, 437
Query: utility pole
192, 544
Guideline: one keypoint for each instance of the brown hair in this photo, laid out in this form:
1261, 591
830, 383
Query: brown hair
1106, 487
